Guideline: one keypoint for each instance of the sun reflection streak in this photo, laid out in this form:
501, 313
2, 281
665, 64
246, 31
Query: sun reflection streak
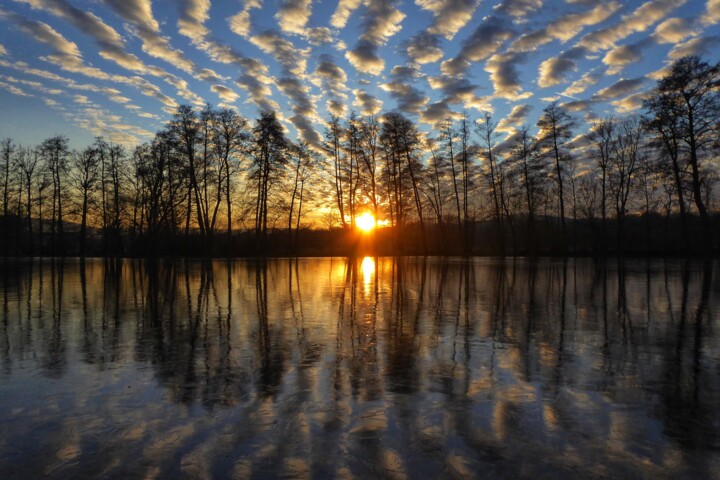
368, 271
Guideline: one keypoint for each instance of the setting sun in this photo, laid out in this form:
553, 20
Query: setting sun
365, 222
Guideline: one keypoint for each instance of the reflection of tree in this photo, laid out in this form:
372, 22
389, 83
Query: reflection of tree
426, 367
54, 359
271, 359
690, 389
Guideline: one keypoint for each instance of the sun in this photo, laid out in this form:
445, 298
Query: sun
365, 222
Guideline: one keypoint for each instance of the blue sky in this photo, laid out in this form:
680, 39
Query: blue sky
119, 68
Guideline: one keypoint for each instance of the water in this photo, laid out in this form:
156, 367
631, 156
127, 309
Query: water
362, 368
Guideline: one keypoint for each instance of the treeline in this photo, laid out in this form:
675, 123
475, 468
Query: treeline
211, 183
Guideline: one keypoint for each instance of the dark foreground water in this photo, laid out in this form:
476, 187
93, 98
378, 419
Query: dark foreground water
362, 368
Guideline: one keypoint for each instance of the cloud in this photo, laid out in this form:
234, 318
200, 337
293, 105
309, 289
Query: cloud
367, 104
621, 88
619, 57
436, 113
485, 41
579, 86
240, 23
409, 99
553, 70
712, 13
630, 103
293, 62
694, 46
225, 93
674, 30
32, 84
639, 20
565, 27
514, 119
505, 76
364, 57
15, 90
332, 79
139, 14
67, 56
380, 22
253, 75
449, 15
112, 44
293, 16
3, 51
424, 48
342, 13
518, 8
291, 58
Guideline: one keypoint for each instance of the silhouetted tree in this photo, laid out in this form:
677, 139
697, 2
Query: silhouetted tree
555, 126
85, 175
688, 100
269, 152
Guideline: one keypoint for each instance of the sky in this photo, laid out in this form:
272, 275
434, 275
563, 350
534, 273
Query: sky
120, 68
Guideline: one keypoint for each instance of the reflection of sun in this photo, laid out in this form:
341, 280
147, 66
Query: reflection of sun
365, 222
368, 271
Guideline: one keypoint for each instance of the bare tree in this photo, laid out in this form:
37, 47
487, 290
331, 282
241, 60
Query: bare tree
85, 174
689, 98
555, 130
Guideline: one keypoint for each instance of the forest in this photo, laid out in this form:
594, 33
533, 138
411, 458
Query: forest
212, 183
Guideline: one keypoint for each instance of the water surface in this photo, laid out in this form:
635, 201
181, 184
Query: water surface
360, 368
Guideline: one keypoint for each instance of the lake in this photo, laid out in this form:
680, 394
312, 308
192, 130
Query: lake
360, 368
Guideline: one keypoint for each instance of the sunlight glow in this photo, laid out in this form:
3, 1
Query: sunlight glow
365, 222
368, 271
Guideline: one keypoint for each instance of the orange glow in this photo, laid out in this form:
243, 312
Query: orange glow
365, 222
368, 271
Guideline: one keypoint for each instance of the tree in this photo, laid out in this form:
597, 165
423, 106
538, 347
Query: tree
55, 151
27, 162
231, 139
447, 135
85, 174
7, 148
627, 148
555, 130
333, 149
269, 153
488, 137
528, 166
602, 136
686, 105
